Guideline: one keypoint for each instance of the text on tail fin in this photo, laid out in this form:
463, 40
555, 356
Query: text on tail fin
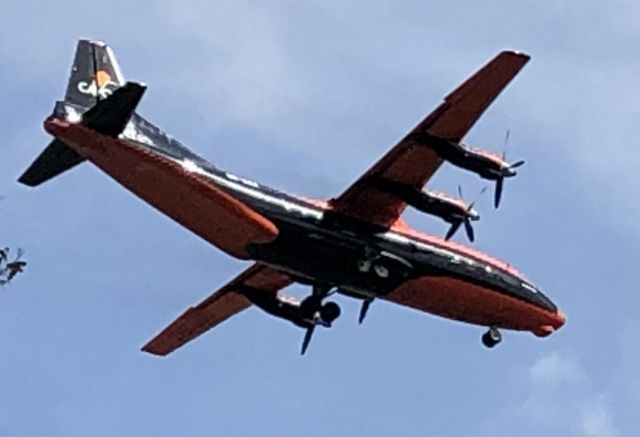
95, 74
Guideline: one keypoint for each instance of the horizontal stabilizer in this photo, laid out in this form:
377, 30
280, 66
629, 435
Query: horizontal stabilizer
108, 117
111, 115
55, 159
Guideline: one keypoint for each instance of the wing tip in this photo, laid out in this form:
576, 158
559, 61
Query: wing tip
148, 348
525, 57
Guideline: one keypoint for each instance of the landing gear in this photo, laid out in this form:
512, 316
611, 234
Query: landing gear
381, 271
376, 267
492, 337
314, 312
312, 308
329, 312
373, 266
383, 265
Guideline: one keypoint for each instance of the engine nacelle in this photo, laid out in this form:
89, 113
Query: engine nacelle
439, 204
448, 208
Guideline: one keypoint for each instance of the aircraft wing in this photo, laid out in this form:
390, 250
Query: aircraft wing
217, 308
413, 164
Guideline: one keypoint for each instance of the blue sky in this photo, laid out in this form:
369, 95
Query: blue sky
305, 98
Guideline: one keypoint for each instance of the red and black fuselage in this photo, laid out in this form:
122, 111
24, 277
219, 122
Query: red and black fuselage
314, 245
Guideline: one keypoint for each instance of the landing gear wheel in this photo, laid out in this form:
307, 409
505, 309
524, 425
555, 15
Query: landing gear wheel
309, 306
364, 265
329, 312
381, 271
491, 338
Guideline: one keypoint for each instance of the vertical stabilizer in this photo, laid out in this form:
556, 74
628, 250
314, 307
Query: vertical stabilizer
95, 74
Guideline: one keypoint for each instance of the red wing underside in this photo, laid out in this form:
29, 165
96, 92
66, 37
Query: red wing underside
217, 308
414, 164
189, 199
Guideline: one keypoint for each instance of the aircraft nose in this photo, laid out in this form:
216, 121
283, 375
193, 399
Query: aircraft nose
557, 320
560, 319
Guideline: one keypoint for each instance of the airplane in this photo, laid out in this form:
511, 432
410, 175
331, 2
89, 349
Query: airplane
355, 244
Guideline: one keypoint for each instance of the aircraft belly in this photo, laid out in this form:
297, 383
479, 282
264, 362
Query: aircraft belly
437, 282
461, 300
311, 255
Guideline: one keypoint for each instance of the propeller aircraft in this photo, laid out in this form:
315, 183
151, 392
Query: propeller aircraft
355, 244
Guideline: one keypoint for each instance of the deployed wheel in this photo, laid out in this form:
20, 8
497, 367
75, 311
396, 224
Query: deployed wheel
381, 271
491, 338
310, 306
364, 265
329, 312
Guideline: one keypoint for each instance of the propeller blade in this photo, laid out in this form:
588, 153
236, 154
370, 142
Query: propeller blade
477, 198
364, 309
498, 192
307, 338
452, 230
460, 192
517, 164
469, 229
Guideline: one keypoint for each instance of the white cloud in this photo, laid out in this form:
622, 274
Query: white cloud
562, 397
596, 420
553, 369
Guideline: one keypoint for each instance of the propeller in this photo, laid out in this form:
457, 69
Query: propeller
307, 338
466, 220
315, 313
364, 309
453, 229
317, 320
506, 171
498, 193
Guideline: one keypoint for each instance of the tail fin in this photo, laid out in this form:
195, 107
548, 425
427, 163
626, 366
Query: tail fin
95, 75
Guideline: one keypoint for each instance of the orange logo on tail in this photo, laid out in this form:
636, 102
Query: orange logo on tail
102, 85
